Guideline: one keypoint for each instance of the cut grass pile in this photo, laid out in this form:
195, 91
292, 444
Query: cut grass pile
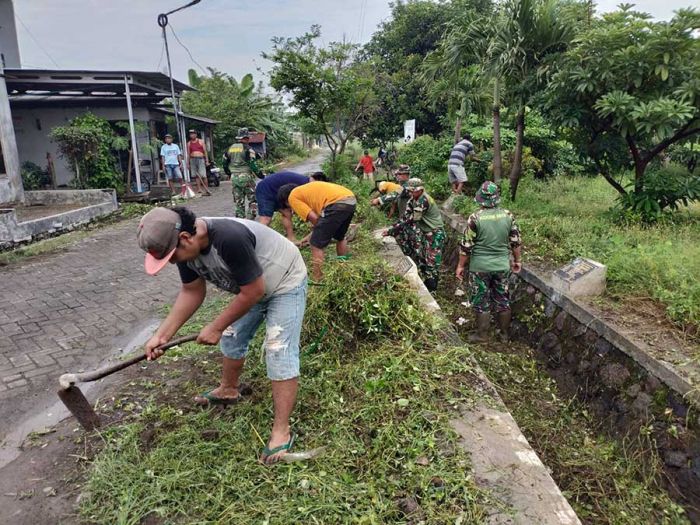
377, 389
568, 217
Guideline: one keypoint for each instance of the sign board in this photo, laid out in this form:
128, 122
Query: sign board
409, 131
580, 277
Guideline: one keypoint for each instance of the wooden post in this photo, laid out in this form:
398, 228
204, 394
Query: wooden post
52, 169
11, 189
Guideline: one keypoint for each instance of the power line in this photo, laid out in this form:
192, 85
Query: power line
186, 49
162, 52
35, 40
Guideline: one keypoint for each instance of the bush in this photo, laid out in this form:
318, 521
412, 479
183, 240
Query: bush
34, 177
665, 189
87, 142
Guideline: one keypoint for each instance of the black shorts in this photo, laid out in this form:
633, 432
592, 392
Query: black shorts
333, 224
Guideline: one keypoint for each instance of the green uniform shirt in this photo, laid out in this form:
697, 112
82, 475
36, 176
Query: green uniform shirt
422, 211
490, 235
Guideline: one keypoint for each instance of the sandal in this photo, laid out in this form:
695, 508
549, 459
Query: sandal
286, 447
212, 400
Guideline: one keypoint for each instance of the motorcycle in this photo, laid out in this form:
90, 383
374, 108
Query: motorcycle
213, 174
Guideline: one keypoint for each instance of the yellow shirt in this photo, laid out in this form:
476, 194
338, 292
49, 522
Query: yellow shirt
315, 196
389, 187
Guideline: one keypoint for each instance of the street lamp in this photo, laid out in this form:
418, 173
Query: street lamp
179, 124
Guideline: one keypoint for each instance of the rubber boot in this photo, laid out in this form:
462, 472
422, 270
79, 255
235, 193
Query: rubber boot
431, 284
504, 325
483, 320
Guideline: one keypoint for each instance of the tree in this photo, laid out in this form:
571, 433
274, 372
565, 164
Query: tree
236, 104
531, 32
630, 83
330, 89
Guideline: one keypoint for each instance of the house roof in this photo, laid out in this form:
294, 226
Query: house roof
169, 111
256, 137
86, 83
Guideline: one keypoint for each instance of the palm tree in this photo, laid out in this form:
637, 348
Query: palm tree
530, 33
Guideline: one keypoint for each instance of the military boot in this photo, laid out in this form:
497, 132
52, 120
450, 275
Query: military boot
504, 325
483, 320
431, 284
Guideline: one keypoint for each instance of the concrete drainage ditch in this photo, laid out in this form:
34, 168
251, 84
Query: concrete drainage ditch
626, 389
503, 461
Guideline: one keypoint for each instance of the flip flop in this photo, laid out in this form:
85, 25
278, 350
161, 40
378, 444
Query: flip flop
267, 451
213, 400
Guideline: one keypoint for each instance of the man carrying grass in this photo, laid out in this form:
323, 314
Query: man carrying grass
266, 273
422, 227
329, 208
490, 238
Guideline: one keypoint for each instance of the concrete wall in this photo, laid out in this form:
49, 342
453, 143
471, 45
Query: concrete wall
32, 127
9, 45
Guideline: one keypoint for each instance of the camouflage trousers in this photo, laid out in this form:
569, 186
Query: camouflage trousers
489, 287
425, 248
243, 188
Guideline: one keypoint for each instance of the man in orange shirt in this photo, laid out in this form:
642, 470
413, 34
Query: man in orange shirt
367, 164
329, 208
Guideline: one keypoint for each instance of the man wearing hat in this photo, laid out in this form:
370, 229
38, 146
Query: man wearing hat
199, 160
489, 240
266, 273
422, 225
239, 163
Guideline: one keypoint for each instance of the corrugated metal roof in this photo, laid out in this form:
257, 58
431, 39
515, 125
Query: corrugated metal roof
169, 111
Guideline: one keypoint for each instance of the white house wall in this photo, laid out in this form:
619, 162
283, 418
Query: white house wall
32, 127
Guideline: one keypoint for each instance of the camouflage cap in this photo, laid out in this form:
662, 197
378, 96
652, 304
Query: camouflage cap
404, 169
242, 134
414, 184
488, 195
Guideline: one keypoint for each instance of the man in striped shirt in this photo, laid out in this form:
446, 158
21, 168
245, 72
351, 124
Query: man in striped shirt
455, 167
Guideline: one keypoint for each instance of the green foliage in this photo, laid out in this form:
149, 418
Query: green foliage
428, 160
34, 177
331, 90
238, 105
87, 142
665, 188
630, 83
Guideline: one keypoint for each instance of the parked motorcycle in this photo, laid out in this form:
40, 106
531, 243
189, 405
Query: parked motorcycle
213, 174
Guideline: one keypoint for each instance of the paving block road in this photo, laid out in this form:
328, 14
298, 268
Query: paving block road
70, 310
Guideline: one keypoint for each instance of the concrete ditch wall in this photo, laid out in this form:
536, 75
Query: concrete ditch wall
621, 383
502, 460
95, 203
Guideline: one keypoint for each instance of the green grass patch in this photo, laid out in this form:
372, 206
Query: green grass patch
568, 217
377, 387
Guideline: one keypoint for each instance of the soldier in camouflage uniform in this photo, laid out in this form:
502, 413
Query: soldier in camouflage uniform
397, 201
490, 238
422, 226
240, 163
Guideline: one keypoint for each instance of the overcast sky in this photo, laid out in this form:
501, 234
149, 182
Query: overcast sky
226, 34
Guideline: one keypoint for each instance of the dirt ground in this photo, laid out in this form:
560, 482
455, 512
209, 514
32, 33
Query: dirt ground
43, 485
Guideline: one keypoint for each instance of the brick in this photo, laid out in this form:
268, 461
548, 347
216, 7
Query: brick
18, 383
11, 378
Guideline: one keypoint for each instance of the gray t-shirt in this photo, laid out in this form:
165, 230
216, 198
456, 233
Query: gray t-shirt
240, 251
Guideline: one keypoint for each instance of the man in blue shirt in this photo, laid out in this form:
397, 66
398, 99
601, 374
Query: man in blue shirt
266, 197
171, 163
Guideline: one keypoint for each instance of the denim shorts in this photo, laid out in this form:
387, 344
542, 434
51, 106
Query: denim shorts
172, 172
266, 205
283, 315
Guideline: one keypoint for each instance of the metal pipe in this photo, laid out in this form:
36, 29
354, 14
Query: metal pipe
132, 130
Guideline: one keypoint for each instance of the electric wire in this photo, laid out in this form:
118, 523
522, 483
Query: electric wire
31, 35
204, 71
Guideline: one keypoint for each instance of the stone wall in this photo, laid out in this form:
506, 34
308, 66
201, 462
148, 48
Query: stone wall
623, 386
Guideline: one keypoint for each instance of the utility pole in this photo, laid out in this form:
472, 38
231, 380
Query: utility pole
179, 122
